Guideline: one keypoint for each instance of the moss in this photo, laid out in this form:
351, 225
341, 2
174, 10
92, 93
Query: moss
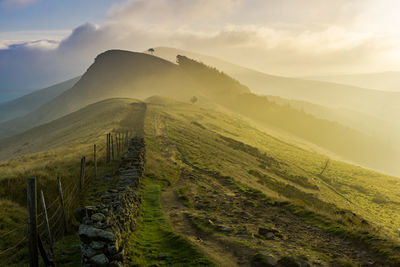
154, 237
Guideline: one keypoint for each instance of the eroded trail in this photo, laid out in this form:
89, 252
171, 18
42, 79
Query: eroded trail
217, 250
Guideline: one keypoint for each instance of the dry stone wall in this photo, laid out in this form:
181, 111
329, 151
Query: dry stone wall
105, 228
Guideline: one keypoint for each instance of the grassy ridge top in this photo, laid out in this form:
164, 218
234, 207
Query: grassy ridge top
253, 155
224, 179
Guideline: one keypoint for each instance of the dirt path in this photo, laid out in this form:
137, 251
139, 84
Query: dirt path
173, 208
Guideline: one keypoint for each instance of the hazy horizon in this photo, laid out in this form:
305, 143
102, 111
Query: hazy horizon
268, 36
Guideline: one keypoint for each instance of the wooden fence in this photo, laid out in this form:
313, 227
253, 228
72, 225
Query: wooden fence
45, 227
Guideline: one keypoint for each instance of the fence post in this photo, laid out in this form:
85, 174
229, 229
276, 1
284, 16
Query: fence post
119, 143
112, 147
82, 174
32, 221
46, 221
107, 148
95, 161
62, 203
116, 145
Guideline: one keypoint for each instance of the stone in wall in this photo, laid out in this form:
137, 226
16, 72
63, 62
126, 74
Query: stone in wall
105, 228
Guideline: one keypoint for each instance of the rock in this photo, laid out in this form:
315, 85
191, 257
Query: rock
87, 251
97, 244
98, 217
88, 232
100, 260
268, 233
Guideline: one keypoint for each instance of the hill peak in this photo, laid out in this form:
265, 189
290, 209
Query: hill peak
124, 55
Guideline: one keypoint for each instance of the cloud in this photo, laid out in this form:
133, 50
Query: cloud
11, 4
167, 13
279, 37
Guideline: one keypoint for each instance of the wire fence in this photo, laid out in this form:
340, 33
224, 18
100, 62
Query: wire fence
59, 209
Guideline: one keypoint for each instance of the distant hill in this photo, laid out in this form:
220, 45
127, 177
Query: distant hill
386, 81
127, 74
373, 102
27, 103
116, 73
85, 124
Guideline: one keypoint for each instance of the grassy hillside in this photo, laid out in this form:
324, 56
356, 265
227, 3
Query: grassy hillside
371, 125
218, 188
373, 102
114, 73
26, 104
224, 180
348, 143
54, 150
127, 74
387, 81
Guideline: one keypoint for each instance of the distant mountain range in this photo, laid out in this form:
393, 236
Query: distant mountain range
386, 81
383, 105
25, 104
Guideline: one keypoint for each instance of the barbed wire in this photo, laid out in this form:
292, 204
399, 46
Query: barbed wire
13, 247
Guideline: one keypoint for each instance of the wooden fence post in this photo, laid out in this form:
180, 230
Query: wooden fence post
32, 221
119, 143
116, 145
82, 174
107, 148
46, 222
95, 161
112, 147
62, 203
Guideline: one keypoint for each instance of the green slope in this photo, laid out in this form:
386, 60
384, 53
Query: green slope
224, 180
26, 104
373, 102
127, 74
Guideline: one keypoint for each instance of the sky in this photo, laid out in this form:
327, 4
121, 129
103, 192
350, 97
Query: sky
46, 41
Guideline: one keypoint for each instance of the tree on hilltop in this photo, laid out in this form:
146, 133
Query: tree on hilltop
151, 50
